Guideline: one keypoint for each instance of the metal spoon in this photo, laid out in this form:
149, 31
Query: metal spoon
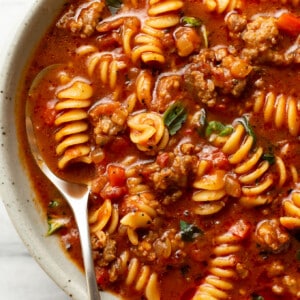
77, 197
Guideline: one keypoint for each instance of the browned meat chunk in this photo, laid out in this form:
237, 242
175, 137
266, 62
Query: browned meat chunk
261, 34
108, 118
236, 23
171, 173
271, 237
167, 91
104, 248
214, 72
82, 20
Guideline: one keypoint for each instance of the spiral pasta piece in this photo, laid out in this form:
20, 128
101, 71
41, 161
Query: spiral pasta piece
148, 132
148, 45
252, 170
221, 6
139, 276
291, 207
105, 218
222, 269
133, 221
107, 67
249, 165
144, 87
143, 212
281, 110
210, 190
127, 28
284, 172
72, 136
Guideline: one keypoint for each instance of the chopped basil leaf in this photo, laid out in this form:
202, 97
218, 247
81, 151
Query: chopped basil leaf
55, 223
269, 157
189, 232
174, 117
191, 21
113, 5
244, 120
219, 128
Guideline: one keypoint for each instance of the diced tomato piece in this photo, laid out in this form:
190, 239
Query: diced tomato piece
116, 175
289, 23
163, 159
102, 277
240, 229
217, 160
220, 160
119, 143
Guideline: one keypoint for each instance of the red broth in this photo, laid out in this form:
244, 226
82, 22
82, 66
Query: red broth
184, 117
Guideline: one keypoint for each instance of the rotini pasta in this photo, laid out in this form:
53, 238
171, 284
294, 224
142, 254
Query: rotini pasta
222, 269
128, 27
291, 207
106, 217
144, 88
210, 191
108, 67
148, 132
148, 45
72, 137
139, 276
284, 173
252, 170
143, 209
278, 109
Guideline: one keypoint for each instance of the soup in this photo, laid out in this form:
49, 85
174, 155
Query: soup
183, 116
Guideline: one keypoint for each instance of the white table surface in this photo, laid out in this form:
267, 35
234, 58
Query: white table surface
20, 276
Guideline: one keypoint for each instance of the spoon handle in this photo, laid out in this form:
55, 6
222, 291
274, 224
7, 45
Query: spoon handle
77, 196
80, 212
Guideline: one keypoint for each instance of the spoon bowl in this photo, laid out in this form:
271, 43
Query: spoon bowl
77, 197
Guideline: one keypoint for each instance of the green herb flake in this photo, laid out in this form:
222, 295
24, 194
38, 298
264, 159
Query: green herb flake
219, 128
189, 232
269, 157
244, 120
113, 5
174, 117
53, 204
191, 21
55, 223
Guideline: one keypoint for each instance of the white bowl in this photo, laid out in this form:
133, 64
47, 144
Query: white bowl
15, 187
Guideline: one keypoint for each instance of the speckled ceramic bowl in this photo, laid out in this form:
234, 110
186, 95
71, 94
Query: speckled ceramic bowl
15, 186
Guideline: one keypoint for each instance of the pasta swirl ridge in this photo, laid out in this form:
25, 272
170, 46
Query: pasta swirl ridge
72, 135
